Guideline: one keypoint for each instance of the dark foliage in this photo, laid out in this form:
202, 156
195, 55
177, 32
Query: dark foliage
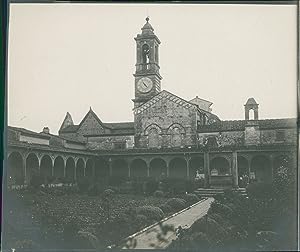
83, 184
36, 181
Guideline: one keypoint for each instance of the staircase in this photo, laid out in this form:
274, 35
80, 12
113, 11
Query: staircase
211, 192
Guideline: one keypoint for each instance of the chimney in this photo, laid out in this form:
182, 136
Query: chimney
46, 130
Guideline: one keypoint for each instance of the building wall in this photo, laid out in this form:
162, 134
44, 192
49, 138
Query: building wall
74, 146
225, 138
108, 142
269, 136
90, 126
252, 135
164, 114
71, 136
34, 140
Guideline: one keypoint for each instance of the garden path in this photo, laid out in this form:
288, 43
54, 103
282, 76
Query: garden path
148, 239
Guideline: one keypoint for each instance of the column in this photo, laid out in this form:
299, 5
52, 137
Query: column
84, 167
52, 168
271, 166
110, 166
93, 168
129, 171
24, 169
75, 169
206, 169
235, 170
168, 169
187, 159
40, 160
65, 164
148, 169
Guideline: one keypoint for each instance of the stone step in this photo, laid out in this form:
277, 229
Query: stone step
209, 192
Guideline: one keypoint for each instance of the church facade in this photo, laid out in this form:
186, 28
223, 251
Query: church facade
169, 135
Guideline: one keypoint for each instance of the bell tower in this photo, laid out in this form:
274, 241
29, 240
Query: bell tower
147, 77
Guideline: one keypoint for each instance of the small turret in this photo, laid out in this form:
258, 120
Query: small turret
251, 104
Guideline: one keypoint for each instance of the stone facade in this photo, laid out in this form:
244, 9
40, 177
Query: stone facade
169, 135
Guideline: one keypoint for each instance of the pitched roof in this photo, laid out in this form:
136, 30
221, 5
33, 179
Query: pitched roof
161, 95
67, 121
120, 125
29, 132
194, 100
239, 125
93, 114
69, 129
251, 101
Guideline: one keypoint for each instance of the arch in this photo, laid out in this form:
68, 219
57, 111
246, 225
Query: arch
70, 170
46, 167
58, 169
177, 168
196, 164
120, 168
32, 166
158, 168
219, 166
101, 168
153, 132
176, 131
138, 168
152, 126
89, 169
146, 53
243, 170
79, 168
261, 168
15, 172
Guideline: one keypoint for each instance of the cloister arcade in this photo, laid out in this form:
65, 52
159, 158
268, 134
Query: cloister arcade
256, 165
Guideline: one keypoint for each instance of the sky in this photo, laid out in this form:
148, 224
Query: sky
70, 57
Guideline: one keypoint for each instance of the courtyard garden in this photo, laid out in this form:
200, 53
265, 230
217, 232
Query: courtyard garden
264, 220
90, 213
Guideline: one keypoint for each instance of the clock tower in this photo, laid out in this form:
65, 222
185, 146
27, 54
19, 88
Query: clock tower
147, 77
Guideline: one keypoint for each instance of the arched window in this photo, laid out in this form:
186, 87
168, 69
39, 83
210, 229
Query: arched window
153, 138
176, 137
146, 53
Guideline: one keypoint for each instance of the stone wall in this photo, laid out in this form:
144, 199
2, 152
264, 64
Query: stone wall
172, 121
252, 135
269, 136
225, 138
90, 126
34, 140
109, 142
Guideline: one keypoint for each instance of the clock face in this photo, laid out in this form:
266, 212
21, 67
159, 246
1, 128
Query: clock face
144, 85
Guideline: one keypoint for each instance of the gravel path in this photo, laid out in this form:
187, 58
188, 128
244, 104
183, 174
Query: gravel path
148, 239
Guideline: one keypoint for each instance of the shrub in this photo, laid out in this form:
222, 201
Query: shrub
159, 194
151, 186
108, 192
166, 208
115, 180
36, 181
190, 186
83, 184
137, 186
260, 190
151, 212
179, 187
141, 220
19, 180
176, 203
95, 188
191, 198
